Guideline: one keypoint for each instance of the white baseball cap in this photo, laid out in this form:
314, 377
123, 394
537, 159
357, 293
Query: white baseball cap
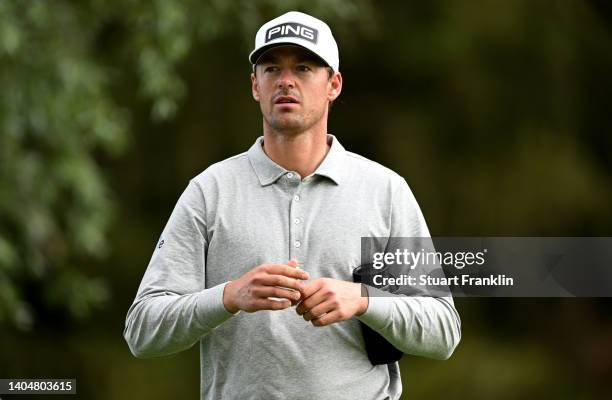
298, 29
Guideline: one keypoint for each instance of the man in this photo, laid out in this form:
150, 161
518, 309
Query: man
275, 232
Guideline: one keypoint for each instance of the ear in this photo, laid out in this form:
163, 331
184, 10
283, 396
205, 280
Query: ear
335, 86
254, 86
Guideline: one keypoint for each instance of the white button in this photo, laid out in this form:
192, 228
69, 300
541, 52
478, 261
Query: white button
290, 175
297, 220
297, 243
296, 198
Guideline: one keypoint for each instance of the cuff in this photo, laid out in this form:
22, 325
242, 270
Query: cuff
210, 310
380, 309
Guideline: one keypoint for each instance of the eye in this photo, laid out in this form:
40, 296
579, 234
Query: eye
270, 68
303, 68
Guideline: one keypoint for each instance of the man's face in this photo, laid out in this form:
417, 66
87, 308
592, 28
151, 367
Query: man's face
293, 88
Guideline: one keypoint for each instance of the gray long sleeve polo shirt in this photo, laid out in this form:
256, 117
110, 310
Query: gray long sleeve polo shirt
246, 211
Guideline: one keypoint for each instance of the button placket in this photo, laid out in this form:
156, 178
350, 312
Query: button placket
296, 245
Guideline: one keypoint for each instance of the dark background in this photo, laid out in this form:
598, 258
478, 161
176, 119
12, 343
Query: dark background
497, 113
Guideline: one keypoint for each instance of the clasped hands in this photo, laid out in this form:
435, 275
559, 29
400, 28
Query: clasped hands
323, 301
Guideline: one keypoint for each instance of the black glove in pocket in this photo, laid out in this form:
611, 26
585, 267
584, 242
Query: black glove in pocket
379, 350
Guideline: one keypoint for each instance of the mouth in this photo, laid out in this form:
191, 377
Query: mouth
286, 101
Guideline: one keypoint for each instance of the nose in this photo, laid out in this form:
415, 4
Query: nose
286, 79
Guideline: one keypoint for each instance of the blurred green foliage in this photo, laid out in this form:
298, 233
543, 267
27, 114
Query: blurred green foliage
497, 114
59, 118
55, 113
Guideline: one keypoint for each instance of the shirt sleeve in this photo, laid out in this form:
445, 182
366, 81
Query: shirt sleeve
418, 325
173, 309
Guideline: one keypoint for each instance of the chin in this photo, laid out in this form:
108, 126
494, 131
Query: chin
288, 125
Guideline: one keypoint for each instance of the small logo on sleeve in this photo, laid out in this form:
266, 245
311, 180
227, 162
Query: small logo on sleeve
161, 243
292, 29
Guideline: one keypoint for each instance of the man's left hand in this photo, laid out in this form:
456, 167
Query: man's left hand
326, 301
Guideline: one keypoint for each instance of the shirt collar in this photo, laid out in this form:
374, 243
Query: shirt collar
268, 171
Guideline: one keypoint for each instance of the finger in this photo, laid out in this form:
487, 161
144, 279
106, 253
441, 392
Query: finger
293, 263
327, 319
280, 280
309, 303
267, 304
311, 288
286, 270
295, 302
273, 291
319, 310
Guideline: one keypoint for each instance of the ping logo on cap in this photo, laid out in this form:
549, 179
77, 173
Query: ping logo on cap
292, 29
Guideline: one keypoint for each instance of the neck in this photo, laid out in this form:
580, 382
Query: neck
301, 152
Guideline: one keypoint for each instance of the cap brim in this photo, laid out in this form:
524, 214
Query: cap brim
256, 54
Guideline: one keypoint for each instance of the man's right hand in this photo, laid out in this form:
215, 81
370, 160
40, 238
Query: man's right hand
252, 290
